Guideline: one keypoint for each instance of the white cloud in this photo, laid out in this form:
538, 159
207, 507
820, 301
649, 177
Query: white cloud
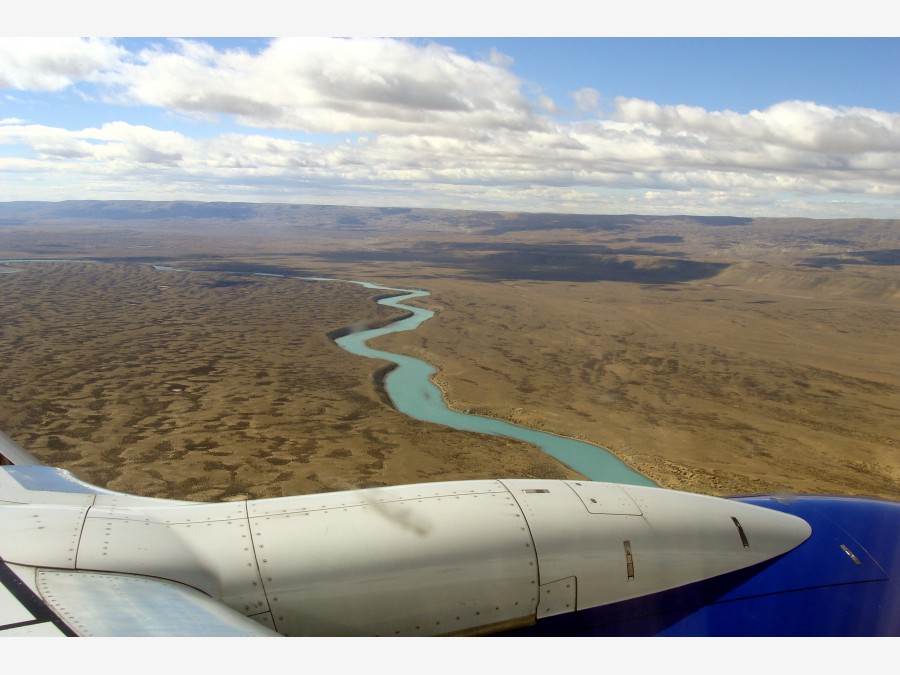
796, 124
331, 85
52, 64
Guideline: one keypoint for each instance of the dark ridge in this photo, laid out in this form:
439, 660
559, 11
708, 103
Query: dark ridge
379, 377
575, 249
460, 253
227, 283
889, 257
364, 219
716, 221
368, 325
549, 267
385, 296
124, 260
502, 223
560, 262
661, 239
236, 267
593, 223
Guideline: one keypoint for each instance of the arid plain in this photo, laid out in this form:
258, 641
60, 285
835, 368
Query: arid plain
717, 355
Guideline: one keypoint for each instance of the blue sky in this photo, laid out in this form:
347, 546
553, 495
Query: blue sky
748, 126
717, 73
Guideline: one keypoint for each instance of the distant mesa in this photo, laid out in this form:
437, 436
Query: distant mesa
327, 217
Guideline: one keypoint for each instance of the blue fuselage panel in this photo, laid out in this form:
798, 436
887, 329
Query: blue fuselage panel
842, 581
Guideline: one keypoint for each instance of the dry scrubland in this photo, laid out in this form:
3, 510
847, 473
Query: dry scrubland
210, 387
716, 356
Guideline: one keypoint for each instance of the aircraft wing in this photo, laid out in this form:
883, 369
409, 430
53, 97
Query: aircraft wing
45, 601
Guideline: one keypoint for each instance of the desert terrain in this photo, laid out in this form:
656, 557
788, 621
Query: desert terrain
717, 355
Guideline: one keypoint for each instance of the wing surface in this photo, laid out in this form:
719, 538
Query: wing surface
45, 602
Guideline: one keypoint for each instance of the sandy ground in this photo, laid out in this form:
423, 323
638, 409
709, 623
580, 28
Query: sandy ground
772, 371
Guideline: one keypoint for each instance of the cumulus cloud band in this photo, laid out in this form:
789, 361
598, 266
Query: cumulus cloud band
423, 116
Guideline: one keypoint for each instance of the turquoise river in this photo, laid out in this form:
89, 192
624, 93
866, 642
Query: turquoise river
413, 393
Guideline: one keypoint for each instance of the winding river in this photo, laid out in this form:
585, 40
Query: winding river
410, 388
412, 392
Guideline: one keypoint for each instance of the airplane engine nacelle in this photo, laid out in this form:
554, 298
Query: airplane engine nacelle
475, 557
599, 543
